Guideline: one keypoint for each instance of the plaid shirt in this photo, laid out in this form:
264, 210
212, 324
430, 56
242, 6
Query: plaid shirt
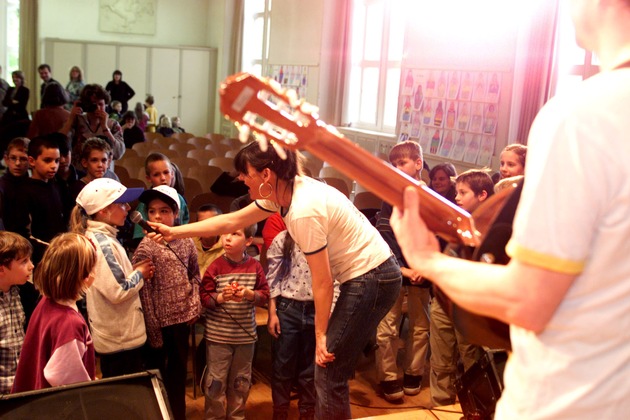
11, 336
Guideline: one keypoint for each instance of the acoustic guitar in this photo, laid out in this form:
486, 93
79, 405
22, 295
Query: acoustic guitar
278, 119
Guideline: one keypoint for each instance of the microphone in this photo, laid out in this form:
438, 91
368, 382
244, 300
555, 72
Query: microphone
137, 218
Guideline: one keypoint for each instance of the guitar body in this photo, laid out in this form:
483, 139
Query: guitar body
477, 329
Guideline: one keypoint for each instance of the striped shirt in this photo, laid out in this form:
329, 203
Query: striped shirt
232, 322
11, 336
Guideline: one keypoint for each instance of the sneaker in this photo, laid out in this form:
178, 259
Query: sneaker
411, 384
392, 390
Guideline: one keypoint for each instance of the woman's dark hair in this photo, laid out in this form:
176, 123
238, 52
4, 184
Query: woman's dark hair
54, 95
117, 72
447, 167
285, 169
93, 90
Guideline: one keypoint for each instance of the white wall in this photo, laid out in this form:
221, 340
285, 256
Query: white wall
179, 22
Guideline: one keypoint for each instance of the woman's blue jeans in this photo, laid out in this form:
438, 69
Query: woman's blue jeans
363, 302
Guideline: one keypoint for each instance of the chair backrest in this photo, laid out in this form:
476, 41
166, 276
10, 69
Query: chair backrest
338, 183
149, 136
182, 137
367, 200
214, 136
163, 142
131, 152
122, 173
225, 163
234, 143
202, 155
231, 153
199, 142
312, 163
131, 164
206, 175
182, 148
192, 188
330, 172
221, 201
184, 164
219, 148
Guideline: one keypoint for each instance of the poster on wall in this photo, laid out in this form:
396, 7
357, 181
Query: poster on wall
290, 77
451, 113
127, 16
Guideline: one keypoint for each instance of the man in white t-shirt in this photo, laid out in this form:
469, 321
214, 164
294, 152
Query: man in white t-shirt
566, 291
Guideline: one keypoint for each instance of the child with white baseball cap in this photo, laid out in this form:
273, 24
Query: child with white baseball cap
171, 299
113, 301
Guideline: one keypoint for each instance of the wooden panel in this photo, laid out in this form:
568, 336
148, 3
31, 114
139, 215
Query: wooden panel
63, 56
164, 80
196, 90
133, 63
100, 63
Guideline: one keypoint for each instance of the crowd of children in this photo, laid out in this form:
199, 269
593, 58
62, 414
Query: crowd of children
139, 309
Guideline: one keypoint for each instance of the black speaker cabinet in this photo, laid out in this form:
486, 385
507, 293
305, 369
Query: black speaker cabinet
129, 397
481, 385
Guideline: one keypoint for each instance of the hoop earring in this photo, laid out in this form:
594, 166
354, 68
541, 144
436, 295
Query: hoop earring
265, 196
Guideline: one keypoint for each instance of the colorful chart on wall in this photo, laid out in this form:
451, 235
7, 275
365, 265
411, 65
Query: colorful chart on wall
290, 77
451, 113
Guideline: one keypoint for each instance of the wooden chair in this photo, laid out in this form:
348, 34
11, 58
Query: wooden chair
163, 142
131, 164
225, 163
367, 200
218, 148
202, 155
184, 164
148, 136
182, 148
146, 148
221, 201
131, 153
234, 143
192, 188
214, 136
206, 175
330, 172
338, 183
171, 153
182, 137
199, 142
122, 173
232, 153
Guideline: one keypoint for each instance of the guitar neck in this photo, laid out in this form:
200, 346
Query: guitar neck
441, 216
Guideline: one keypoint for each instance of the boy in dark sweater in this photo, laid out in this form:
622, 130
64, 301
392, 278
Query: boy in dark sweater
44, 200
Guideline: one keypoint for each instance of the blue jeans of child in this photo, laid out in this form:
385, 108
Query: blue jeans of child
363, 302
294, 355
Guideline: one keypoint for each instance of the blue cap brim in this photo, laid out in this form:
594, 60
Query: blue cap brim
130, 195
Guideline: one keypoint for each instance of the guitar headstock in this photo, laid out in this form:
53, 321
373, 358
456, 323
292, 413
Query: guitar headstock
273, 114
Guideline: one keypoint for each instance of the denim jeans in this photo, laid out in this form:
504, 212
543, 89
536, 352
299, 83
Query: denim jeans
294, 355
362, 304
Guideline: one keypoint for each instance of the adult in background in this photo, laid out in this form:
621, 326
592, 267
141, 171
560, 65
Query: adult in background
119, 90
74, 86
4, 87
88, 118
15, 120
564, 292
338, 242
53, 115
45, 73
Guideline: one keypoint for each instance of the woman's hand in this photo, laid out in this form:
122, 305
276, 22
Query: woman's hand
162, 232
322, 356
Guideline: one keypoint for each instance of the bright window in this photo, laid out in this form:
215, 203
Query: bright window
256, 27
376, 55
572, 63
9, 36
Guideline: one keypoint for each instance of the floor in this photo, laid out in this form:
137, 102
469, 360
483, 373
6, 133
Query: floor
364, 393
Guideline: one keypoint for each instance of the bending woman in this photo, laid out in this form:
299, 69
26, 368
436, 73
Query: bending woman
339, 243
